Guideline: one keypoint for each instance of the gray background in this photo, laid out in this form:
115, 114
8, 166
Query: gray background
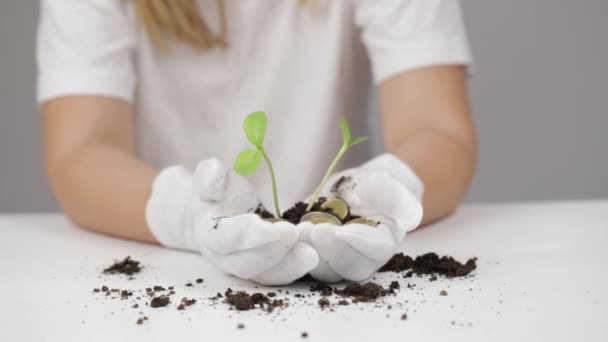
539, 97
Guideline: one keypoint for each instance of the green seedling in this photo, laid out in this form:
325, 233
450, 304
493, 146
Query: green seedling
248, 161
347, 142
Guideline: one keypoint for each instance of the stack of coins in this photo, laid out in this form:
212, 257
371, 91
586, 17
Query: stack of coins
339, 211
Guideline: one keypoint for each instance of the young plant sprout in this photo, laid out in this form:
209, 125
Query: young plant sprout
348, 142
248, 161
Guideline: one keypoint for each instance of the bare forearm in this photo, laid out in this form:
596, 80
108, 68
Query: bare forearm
105, 189
428, 125
444, 164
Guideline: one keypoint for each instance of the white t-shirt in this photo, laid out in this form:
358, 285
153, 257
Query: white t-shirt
283, 58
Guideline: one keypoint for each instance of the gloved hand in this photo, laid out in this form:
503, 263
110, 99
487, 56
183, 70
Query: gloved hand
211, 212
385, 190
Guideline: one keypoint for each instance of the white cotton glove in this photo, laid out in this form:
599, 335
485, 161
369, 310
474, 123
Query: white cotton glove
211, 212
385, 190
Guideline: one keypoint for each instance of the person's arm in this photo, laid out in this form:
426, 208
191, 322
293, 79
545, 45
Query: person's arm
88, 143
427, 123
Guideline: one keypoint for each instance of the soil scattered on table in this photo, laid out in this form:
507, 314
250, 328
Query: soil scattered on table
127, 266
328, 297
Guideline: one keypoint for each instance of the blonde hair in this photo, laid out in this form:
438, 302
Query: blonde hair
181, 20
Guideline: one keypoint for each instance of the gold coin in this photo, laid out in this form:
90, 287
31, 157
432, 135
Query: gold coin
274, 219
362, 220
337, 206
317, 217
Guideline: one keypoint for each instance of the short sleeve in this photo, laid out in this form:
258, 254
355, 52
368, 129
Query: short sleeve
85, 47
402, 35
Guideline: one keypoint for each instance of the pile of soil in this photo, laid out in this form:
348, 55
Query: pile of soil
430, 264
127, 266
243, 301
358, 293
295, 213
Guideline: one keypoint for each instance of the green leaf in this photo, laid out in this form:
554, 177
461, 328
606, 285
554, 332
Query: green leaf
255, 128
346, 135
247, 162
357, 141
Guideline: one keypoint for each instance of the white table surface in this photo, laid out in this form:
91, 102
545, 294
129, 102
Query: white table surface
542, 276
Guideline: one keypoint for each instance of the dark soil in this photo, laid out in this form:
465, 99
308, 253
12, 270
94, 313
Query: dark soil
160, 301
295, 213
394, 285
365, 293
430, 264
185, 303
127, 266
323, 289
324, 302
262, 212
327, 297
398, 263
243, 301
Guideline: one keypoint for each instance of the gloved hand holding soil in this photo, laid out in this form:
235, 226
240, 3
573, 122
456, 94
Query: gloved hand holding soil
351, 226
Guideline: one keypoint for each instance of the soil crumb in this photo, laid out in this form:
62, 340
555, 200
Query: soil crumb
323, 302
160, 301
127, 266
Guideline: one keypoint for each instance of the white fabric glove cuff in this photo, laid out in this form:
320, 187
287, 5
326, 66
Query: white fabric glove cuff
167, 209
